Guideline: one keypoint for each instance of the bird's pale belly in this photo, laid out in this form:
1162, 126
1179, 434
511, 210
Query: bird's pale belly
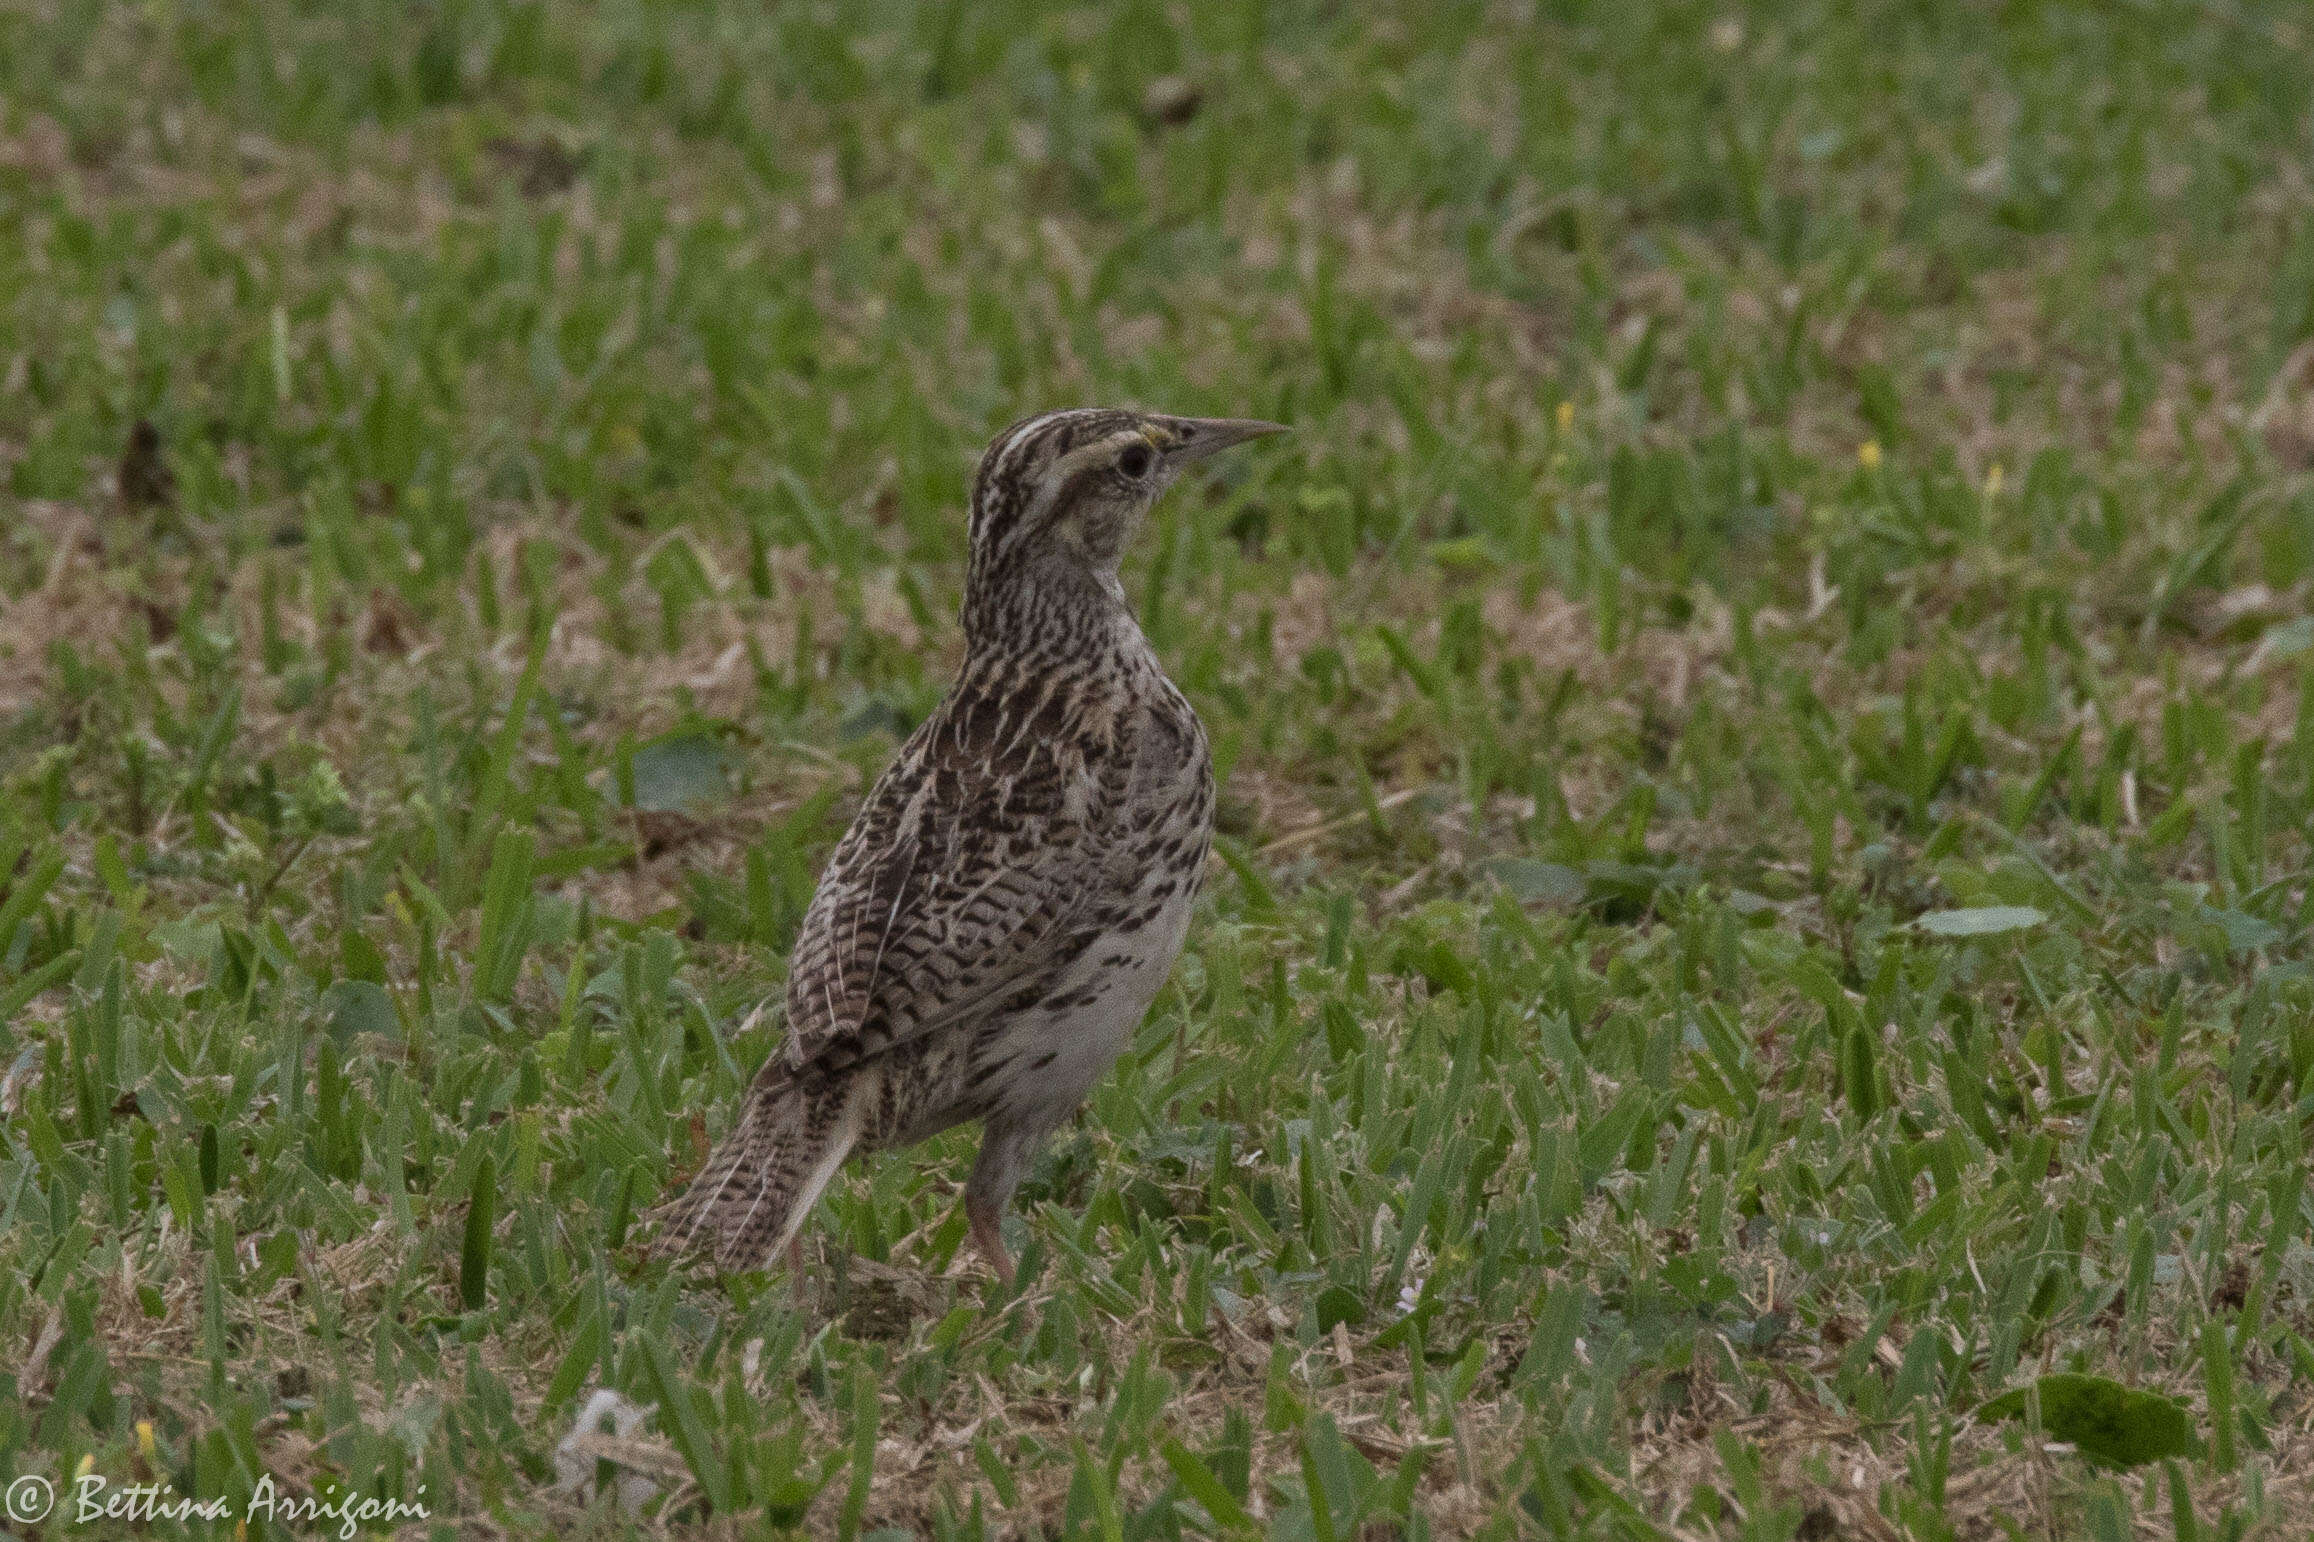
1058, 1051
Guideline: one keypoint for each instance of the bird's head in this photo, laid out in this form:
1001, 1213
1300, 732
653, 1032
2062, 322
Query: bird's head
1061, 494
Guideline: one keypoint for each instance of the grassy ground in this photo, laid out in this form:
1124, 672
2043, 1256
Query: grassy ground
479, 496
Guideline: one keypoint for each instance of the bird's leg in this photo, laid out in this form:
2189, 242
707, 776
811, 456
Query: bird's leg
1004, 1152
795, 1270
987, 1220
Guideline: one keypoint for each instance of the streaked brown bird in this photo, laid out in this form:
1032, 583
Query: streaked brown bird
991, 930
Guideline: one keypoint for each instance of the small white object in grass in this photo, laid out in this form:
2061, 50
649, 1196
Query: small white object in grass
26, 1065
606, 1413
1409, 1297
1980, 921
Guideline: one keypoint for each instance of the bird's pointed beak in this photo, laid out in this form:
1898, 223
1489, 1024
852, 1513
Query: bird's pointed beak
1194, 439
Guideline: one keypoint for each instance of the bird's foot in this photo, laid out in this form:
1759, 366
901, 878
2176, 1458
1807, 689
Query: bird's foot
988, 1236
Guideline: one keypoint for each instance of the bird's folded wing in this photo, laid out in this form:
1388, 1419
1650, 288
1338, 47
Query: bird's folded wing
964, 879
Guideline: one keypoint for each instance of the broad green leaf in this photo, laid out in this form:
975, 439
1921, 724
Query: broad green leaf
358, 1007
2105, 1421
1339, 1304
1981, 921
1537, 882
681, 771
474, 1254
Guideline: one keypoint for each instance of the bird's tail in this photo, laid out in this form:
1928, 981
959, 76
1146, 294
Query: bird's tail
751, 1198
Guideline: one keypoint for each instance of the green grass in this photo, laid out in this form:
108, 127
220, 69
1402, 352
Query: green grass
1765, 477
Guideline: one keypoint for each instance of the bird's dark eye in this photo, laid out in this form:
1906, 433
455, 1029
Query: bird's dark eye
1136, 461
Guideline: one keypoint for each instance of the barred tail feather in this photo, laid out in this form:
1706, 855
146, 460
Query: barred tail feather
760, 1184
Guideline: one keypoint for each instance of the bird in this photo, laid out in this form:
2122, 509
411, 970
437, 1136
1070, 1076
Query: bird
989, 933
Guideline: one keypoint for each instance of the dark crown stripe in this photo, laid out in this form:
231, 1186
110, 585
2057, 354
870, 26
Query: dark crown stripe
1006, 482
